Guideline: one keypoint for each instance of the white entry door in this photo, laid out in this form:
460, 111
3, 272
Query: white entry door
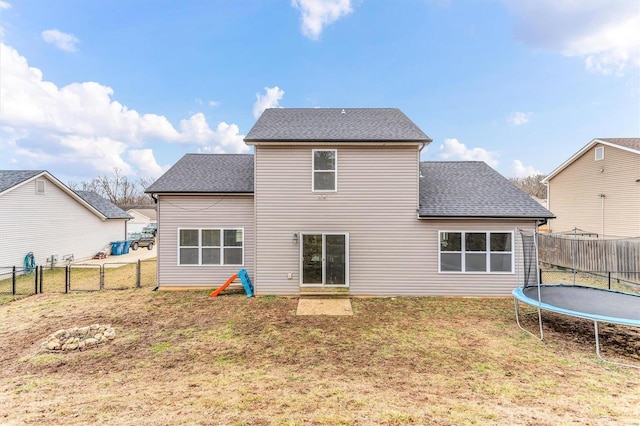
324, 259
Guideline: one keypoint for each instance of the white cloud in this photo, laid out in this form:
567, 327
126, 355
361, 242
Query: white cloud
519, 170
316, 14
604, 33
518, 118
145, 162
4, 5
63, 41
213, 103
452, 149
81, 126
268, 100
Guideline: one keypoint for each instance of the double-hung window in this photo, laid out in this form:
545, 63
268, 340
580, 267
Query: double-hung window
325, 170
476, 252
211, 246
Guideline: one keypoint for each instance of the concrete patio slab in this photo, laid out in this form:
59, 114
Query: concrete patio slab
324, 307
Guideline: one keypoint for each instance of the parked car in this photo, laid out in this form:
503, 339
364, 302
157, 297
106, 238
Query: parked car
151, 228
141, 240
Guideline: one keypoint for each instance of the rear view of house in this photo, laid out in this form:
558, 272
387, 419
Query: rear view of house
336, 200
597, 190
41, 215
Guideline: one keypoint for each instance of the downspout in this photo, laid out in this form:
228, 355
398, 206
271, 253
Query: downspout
422, 145
602, 197
155, 200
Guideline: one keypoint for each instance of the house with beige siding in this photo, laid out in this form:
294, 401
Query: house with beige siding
597, 190
337, 200
41, 215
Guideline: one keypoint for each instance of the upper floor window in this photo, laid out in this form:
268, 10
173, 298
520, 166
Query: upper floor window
325, 170
476, 252
40, 186
211, 246
600, 153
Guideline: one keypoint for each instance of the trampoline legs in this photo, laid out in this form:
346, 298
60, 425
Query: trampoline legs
595, 327
517, 306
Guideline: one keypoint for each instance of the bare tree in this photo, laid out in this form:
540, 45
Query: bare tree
532, 185
117, 188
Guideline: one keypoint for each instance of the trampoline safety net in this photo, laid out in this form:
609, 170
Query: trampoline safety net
529, 258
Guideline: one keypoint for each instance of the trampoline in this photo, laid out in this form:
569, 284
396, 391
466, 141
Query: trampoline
595, 304
591, 303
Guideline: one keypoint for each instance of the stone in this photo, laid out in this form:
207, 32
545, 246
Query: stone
53, 345
98, 336
90, 342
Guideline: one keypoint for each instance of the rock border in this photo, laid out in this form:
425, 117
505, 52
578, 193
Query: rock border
78, 338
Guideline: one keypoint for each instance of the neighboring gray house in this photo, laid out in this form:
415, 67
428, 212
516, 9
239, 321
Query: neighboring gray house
337, 200
40, 214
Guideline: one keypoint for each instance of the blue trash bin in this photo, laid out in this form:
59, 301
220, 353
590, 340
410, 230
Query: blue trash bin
114, 248
127, 244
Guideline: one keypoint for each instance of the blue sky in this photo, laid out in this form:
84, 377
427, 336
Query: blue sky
86, 86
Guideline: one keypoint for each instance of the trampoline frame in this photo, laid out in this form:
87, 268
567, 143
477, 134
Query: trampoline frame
519, 296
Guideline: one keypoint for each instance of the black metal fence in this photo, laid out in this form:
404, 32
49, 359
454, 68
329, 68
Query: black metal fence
78, 277
612, 280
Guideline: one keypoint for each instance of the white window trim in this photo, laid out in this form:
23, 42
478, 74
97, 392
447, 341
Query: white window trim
487, 251
601, 150
200, 247
313, 171
44, 186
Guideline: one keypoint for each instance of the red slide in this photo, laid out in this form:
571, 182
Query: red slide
223, 286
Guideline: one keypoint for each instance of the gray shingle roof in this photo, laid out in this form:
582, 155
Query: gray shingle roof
207, 173
633, 143
104, 206
332, 124
10, 178
472, 189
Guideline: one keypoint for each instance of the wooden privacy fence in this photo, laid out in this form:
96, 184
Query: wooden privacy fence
621, 257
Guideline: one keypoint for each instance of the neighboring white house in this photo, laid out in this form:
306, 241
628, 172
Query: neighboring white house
141, 217
40, 214
337, 200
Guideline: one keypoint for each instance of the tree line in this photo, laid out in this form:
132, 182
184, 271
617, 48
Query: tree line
532, 185
117, 188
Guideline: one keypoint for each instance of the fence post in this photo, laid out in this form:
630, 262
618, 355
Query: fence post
138, 274
609, 273
101, 277
67, 278
13, 281
36, 280
41, 278
540, 275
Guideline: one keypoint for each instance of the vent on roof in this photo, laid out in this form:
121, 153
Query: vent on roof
342, 111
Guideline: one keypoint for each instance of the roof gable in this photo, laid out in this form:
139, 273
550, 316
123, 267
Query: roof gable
626, 144
466, 189
335, 125
207, 173
104, 209
12, 178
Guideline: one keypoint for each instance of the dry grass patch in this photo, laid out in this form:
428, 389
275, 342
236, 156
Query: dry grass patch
182, 358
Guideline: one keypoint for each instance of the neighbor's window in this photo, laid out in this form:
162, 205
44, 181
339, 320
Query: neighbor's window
211, 246
476, 251
325, 169
600, 153
40, 186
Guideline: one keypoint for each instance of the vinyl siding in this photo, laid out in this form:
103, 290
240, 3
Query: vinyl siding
391, 251
53, 223
201, 211
138, 222
574, 194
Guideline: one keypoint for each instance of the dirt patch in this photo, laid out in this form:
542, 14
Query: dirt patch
182, 358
